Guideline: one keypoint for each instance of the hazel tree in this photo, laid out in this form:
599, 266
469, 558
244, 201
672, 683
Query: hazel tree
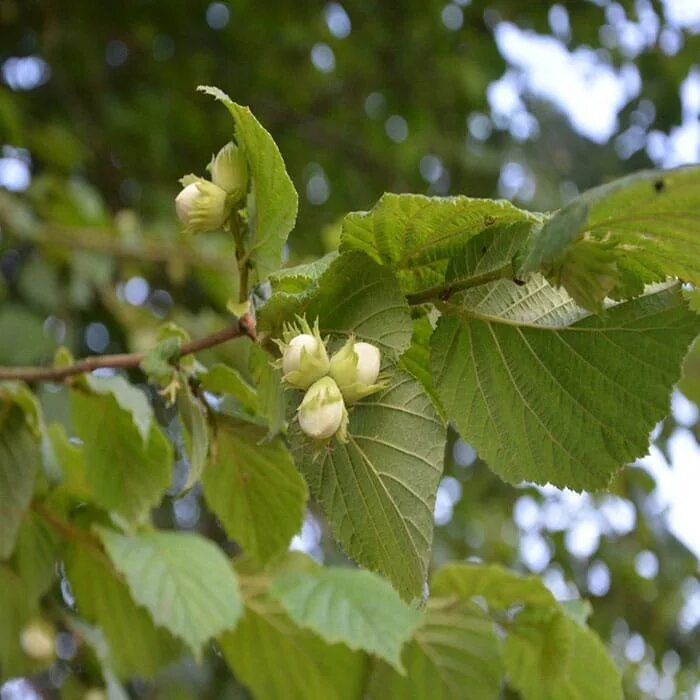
550, 341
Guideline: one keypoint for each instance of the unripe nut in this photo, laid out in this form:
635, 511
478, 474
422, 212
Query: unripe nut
368, 363
322, 412
201, 205
355, 368
304, 357
229, 171
291, 359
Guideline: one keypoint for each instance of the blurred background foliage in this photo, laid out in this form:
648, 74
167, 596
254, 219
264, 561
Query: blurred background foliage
530, 101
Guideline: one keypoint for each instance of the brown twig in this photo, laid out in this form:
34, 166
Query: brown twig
245, 326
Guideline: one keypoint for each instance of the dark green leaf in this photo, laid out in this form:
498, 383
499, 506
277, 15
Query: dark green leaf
135, 645
255, 490
614, 239
129, 462
221, 379
548, 393
416, 236
278, 660
378, 490
20, 460
454, 654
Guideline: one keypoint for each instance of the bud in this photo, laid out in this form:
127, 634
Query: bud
304, 356
355, 368
322, 413
37, 641
201, 205
229, 170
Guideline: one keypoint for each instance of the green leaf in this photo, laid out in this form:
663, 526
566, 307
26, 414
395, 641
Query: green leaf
20, 459
127, 472
221, 379
454, 654
16, 611
354, 295
548, 393
71, 463
500, 588
547, 653
35, 554
135, 645
276, 659
274, 198
17, 322
127, 396
194, 420
292, 288
357, 608
183, 579
537, 669
271, 396
537, 652
416, 360
614, 239
416, 236
378, 490
255, 490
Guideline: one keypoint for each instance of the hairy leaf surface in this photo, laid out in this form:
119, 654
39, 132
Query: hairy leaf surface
378, 490
546, 392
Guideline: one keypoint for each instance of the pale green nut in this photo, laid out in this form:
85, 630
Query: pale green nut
304, 356
322, 413
355, 368
229, 171
201, 205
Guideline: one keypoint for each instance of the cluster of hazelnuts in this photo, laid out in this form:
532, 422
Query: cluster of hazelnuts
331, 384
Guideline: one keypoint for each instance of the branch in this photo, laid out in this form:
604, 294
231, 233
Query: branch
443, 292
245, 326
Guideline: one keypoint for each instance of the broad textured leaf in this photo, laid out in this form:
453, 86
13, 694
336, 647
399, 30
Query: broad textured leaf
20, 459
135, 645
194, 420
34, 558
128, 397
183, 579
277, 660
537, 669
274, 197
500, 588
546, 392
125, 473
271, 395
354, 607
416, 235
71, 463
614, 239
255, 490
416, 359
16, 610
354, 295
378, 490
292, 288
221, 379
454, 654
